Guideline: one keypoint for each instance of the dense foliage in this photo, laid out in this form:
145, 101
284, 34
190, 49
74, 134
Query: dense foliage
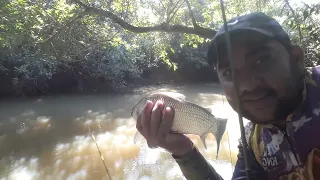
70, 46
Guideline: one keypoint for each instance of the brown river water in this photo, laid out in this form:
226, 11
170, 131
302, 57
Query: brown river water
49, 138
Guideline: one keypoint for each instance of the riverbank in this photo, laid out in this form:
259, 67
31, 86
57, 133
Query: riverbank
132, 89
63, 82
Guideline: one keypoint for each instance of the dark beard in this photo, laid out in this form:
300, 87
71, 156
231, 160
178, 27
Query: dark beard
285, 105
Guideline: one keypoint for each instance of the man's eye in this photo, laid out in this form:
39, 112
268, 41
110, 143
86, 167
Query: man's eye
262, 59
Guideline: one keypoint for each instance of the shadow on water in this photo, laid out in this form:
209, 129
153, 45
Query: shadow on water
49, 138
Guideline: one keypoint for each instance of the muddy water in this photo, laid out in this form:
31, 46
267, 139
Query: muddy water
50, 138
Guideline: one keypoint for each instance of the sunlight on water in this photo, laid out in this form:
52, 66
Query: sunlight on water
51, 139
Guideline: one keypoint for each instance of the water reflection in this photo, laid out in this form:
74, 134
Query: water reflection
49, 138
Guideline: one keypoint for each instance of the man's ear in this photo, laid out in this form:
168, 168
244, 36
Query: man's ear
298, 57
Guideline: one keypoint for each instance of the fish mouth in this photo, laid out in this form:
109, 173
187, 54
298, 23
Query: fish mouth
132, 111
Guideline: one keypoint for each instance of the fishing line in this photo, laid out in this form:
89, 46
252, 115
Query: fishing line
101, 156
228, 136
239, 105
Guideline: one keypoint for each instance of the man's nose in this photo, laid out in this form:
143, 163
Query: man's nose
248, 81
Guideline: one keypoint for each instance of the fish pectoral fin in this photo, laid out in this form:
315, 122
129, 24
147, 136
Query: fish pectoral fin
209, 109
203, 139
222, 119
138, 137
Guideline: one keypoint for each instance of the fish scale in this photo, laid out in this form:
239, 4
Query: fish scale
189, 118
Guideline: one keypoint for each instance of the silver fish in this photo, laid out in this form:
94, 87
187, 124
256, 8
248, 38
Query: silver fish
189, 118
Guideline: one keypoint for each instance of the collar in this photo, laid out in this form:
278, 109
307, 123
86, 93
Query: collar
308, 80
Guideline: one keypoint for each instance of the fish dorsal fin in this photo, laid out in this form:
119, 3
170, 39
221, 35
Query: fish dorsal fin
209, 109
174, 95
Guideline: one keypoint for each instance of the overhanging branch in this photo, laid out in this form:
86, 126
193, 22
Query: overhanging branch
194, 22
200, 31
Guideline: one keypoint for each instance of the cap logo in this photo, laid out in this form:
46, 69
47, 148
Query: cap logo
233, 23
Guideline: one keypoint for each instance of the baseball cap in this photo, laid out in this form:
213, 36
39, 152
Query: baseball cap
252, 26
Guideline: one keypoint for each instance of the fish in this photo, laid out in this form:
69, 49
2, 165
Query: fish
189, 118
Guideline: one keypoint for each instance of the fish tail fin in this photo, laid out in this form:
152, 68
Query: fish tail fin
138, 137
203, 139
221, 128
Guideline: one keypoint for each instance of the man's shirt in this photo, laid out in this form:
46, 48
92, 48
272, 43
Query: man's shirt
289, 153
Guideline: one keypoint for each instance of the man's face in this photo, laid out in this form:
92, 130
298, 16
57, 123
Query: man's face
269, 79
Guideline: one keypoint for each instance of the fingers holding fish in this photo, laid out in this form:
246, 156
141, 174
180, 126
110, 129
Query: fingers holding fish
165, 127
166, 124
155, 121
145, 120
156, 118
139, 123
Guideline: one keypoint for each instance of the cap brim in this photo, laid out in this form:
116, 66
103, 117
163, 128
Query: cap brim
239, 35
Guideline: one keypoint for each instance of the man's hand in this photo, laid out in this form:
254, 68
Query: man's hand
155, 122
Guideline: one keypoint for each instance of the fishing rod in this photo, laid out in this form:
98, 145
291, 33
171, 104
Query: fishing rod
235, 83
101, 156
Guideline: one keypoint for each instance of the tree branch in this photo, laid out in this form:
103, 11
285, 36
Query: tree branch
79, 16
175, 12
282, 9
295, 18
194, 22
174, 8
200, 31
